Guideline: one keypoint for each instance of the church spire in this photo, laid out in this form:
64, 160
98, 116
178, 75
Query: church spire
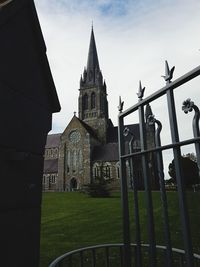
92, 74
93, 62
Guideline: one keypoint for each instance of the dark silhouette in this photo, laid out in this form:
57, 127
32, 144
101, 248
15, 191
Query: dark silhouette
28, 99
190, 172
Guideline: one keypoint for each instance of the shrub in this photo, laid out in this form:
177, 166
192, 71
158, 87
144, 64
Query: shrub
98, 188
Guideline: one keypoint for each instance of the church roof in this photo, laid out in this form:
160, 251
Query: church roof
53, 140
108, 152
50, 166
88, 128
112, 134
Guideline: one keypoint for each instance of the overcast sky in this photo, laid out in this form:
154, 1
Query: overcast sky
133, 40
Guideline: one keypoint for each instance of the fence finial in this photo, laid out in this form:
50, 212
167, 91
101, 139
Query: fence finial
168, 73
121, 104
140, 91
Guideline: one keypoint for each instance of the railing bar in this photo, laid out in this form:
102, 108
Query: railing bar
165, 147
149, 204
81, 258
124, 198
107, 257
94, 257
70, 260
179, 178
68, 255
181, 261
160, 167
121, 256
138, 257
178, 82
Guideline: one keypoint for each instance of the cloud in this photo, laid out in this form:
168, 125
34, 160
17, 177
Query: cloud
133, 38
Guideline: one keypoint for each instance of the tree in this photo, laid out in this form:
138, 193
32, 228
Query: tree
190, 171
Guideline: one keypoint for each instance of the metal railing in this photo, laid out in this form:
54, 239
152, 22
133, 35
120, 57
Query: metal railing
175, 145
109, 255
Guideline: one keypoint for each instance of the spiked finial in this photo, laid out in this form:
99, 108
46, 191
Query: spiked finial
121, 104
168, 73
140, 91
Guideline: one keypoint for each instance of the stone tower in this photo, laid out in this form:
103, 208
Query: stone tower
93, 104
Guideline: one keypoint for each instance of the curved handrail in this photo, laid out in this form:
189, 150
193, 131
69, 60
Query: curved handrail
60, 258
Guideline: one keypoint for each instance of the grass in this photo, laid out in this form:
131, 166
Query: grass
74, 220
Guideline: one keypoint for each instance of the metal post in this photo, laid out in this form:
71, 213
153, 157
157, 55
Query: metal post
151, 121
124, 193
179, 179
135, 197
149, 204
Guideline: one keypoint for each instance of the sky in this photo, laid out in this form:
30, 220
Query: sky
133, 38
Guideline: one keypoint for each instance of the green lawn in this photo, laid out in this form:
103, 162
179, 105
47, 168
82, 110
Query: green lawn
74, 220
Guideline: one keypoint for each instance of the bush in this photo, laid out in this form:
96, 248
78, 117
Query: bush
98, 188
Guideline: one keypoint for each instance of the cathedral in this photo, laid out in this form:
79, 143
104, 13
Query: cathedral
88, 147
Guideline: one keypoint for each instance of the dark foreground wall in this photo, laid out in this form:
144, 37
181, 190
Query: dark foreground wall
27, 101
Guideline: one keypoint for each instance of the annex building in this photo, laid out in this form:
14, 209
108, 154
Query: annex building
88, 147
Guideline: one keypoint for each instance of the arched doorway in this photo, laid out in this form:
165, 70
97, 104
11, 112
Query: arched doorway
73, 184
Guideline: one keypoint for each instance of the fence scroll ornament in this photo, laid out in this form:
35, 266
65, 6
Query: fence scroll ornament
153, 121
189, 106
133, 181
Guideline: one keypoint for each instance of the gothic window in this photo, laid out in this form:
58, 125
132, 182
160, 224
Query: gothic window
96, 171
85, 101
93, 100
118, 170
74, 160
80, 159
106, 171
52, 179
44, 179
68, 161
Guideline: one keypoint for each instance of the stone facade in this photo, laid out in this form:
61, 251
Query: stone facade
88, 147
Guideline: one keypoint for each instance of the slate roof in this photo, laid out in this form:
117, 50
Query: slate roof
50, 166
108, 152
53, 140
88, 128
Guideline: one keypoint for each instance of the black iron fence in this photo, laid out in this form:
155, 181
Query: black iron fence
175, 145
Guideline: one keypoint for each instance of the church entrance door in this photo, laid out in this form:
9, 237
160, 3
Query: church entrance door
73, 184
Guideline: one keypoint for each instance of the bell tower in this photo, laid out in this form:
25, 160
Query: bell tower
93, 104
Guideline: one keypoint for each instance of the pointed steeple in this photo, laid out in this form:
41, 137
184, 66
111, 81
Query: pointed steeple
92, 74
92, 62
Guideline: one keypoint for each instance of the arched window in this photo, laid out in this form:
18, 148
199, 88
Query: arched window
80, 159
74, 159
93, 100
117, 170
68, 160
96, 171
107, 171
85, 101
